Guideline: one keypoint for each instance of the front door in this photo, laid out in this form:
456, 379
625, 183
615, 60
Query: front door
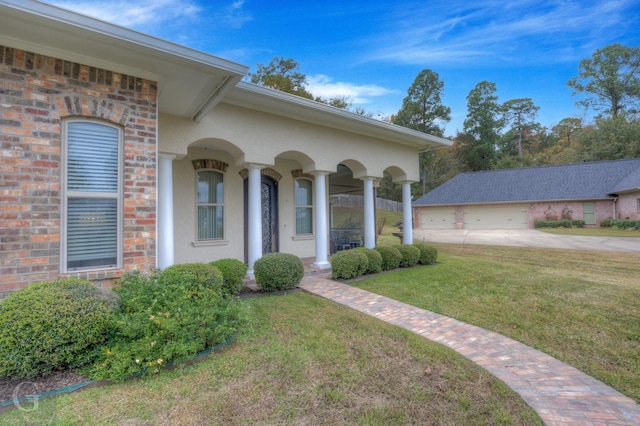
269, 212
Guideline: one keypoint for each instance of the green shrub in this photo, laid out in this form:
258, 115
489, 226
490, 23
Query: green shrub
194, 276
540, 224
348, 264
578, 223
552, 224
565, 223
50, 326
428, 254
278, 271
410, 255
164, 323
391, 257
374, 258
606, 223
233, 273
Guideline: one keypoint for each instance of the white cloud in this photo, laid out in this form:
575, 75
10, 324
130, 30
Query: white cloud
144, 15
322, 85
492, 30
132, 14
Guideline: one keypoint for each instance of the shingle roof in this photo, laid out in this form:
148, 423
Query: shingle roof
581, 181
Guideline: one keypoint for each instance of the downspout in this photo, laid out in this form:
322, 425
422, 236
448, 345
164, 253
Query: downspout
615, 213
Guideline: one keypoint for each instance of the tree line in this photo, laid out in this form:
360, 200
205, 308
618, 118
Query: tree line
499, 135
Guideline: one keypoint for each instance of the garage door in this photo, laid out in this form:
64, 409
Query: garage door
444, 218
495, 217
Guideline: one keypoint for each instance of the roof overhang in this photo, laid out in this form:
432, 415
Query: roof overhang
497, 203
252, 96
190, 83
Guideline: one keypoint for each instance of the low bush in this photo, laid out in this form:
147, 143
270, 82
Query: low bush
348, 264
428, 254
164, 320
565, 223
540, 224
193, 276
233, 273
606, 223
578, 223
625, 224
410, 255
50, 326
278, 271
391, 257
373, 257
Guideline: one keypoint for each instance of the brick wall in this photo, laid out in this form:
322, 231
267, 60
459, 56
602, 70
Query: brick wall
627, 206
538, 211
36, 93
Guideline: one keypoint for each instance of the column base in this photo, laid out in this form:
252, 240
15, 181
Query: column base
321, 265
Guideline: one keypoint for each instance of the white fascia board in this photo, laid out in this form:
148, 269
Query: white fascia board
252, 96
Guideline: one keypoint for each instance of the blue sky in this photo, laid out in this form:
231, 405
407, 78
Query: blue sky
372, 51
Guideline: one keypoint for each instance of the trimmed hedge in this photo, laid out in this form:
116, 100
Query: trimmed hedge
278, 271
428, 254
233, 273
621, 224
348, 264
374, 258
410, 255
50, 326
194, 276
391, 257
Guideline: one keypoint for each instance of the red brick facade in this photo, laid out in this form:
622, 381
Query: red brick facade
36, 93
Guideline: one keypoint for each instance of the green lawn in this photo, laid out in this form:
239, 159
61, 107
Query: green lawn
593, 232
582, 307
302, 360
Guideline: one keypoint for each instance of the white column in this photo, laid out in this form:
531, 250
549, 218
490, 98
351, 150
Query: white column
321, 231
407, 220
165, 247
254, 221
369, 214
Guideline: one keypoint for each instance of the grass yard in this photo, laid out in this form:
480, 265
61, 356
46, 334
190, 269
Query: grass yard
303, 360
582, 307
593, 232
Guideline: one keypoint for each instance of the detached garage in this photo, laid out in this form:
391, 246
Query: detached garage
495, 217
516, 198
443, 218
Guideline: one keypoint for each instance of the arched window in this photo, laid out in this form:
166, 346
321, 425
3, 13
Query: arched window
304, 207
210, 188
92, 196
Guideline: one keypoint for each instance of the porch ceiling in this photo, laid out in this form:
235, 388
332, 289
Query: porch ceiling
190, 83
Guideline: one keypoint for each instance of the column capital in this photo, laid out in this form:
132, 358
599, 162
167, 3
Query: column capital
166, 156
255, 166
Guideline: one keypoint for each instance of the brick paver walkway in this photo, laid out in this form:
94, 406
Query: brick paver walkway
559, 393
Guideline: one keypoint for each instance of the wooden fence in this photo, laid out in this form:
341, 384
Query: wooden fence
357, 201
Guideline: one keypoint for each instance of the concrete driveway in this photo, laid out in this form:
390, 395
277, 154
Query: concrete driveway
527, 238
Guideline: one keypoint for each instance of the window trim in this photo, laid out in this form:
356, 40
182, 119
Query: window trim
311, 206
197, 242
65, 195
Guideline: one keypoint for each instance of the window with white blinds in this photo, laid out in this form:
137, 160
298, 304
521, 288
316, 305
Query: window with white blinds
210, 187
304, 207
92, 195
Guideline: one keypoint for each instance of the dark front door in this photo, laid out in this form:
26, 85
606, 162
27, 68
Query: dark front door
269, 212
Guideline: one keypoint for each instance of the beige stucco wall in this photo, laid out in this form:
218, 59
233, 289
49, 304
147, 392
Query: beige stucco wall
257, 137
184, 188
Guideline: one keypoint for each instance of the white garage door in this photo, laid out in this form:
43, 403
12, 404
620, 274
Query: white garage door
495, 217
444, 218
